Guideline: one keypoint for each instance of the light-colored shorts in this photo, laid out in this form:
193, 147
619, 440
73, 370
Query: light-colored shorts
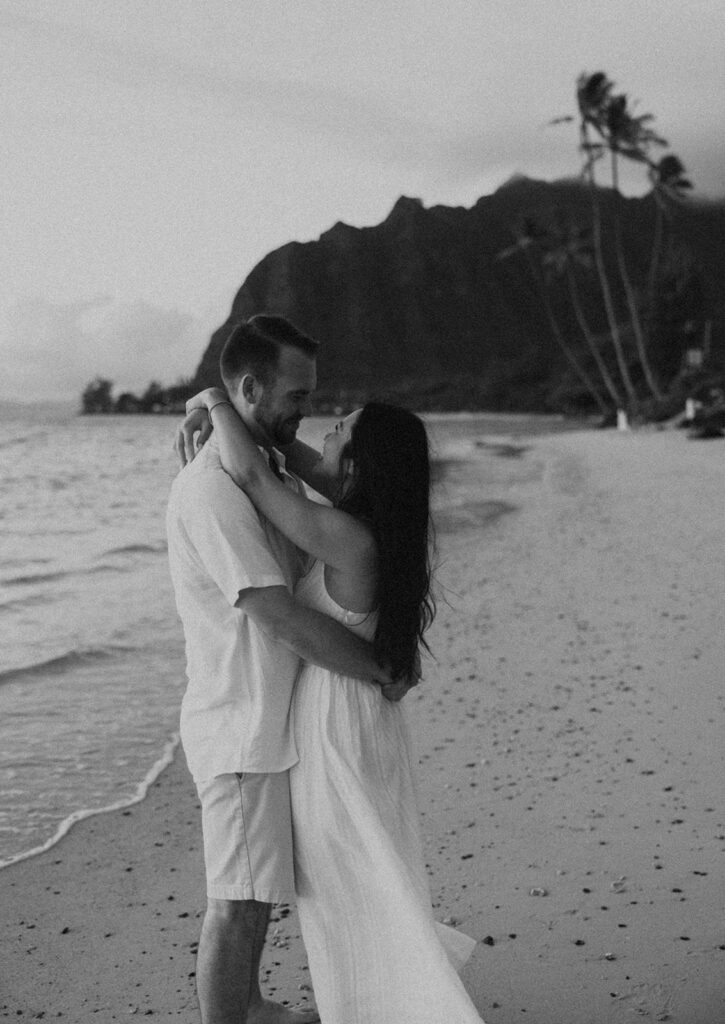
247, 827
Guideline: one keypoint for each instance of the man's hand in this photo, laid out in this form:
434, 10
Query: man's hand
396, 690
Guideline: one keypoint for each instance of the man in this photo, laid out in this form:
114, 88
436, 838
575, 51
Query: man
233, 575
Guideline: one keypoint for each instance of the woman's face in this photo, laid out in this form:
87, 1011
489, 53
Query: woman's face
335, 441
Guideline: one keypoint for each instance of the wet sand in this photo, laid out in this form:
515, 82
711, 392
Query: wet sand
572, 765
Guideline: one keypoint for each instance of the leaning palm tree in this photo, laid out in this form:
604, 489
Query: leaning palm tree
608, 125
527, 240
632, 137
593, 97
566, 249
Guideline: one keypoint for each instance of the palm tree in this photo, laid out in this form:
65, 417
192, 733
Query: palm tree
527, 240
630, 137
593, 96
565, 249
608, 125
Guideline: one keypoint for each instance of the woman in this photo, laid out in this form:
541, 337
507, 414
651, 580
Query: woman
376, 955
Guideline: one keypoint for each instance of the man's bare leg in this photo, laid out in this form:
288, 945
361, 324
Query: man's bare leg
227, 971
225, 959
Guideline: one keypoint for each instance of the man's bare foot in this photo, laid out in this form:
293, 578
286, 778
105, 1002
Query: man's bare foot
267, 1012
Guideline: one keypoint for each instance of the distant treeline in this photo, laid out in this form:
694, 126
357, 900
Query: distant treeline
97, 398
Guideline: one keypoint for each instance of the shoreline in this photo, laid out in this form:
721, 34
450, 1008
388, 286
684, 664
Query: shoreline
98, 900
569, 739
164, 761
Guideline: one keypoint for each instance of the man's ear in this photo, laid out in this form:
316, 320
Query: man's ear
249, 389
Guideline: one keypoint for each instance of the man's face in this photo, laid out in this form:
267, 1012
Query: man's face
286, 399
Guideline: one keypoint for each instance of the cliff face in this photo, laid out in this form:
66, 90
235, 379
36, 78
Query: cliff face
420, 307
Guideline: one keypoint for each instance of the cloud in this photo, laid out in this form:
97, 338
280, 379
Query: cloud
357, 123
51, 350
383, 129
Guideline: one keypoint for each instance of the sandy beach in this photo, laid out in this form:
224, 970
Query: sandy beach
572, 766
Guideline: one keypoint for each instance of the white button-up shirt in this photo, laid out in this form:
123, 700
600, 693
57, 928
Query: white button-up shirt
235, 715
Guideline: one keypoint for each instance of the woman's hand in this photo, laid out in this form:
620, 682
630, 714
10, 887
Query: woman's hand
196, 429
193, 433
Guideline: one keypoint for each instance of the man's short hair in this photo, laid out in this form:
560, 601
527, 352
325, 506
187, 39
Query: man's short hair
254, 345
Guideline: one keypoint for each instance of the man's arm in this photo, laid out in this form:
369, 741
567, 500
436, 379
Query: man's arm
219, 517
312, 635
318, 639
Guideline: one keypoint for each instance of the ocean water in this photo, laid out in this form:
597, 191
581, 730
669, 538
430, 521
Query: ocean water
92, 661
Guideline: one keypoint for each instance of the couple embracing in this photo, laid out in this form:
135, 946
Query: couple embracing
303, 621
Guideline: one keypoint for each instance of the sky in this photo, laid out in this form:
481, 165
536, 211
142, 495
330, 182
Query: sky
154, 151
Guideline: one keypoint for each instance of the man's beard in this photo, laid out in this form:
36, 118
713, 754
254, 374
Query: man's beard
280, 432
286, 430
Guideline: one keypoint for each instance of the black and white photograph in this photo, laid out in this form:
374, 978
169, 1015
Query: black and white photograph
362, 548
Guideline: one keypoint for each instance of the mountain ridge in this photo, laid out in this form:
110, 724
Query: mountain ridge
420, 308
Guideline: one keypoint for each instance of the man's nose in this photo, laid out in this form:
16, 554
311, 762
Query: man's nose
306, 407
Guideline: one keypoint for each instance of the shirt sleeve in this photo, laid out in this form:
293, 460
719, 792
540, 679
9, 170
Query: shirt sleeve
227, 535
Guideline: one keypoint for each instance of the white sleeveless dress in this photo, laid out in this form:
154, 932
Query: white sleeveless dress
376, 954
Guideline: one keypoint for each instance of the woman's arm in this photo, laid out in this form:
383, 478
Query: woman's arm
302, 459
335, 537
305, 462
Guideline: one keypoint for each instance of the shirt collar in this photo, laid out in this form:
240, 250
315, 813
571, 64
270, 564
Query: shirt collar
278, 458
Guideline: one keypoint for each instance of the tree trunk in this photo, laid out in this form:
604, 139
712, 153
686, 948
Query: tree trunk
634, 316
559, 337
608, 301
590, 339
654, 267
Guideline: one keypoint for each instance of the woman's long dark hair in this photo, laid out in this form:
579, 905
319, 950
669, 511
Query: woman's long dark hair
390, 490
